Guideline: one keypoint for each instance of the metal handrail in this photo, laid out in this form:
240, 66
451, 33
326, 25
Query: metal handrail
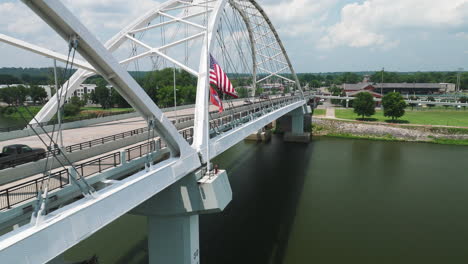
29, 190
103, 140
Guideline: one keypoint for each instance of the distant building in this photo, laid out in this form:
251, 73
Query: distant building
403, 88
80, 92
269, 86
85, 89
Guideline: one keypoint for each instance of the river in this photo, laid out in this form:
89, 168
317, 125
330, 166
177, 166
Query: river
331, 201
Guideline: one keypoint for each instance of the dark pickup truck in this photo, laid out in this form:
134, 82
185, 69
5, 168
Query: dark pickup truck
13, 155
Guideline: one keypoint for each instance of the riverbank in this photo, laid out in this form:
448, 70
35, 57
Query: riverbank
389, 132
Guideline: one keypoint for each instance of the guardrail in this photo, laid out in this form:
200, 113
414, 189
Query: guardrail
29, 190
103, 140
91, 143
100, 141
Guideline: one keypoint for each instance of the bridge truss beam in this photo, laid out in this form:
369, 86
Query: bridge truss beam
69, 225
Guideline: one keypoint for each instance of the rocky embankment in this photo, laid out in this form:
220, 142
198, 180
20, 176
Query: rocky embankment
389, 131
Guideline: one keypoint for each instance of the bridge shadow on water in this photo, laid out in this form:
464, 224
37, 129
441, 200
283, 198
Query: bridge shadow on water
267, 181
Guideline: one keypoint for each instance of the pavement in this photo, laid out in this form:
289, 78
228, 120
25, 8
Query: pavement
91, 132
330, 112
83, 134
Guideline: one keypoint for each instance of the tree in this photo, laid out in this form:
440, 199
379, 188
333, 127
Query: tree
154, 80
243, 92
259, 91
7, 95
9, 79
71, 109
118, 100
75, 100
37, 94
102, 95
14, 95
364, 104
394, 105
336, 91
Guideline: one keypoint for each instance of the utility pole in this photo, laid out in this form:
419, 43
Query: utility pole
381, 82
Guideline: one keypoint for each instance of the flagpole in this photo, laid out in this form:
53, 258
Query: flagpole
207, 97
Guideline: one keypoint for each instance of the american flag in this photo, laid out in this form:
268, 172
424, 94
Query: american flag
220, 79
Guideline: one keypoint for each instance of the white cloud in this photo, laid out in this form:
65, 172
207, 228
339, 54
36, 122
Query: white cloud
17, 18
297, 17
100, 16
109, 15
370, 23
462, 35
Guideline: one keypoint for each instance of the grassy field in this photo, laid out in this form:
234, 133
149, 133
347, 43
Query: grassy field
437, 117
318, 112
12, 112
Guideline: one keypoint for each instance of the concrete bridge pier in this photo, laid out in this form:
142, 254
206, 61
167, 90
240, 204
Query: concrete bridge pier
263, 135
173, 228
296, 125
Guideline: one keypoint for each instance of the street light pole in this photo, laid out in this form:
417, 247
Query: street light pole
381, 82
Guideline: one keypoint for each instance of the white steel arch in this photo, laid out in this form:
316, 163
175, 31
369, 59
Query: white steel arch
268, 53
252, 14
122, 196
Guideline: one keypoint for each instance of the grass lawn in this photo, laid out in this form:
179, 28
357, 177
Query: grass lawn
437, 117
21, 111
318, 112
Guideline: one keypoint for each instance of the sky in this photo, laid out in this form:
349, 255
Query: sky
319, 35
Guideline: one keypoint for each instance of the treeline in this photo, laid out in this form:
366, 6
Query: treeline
17, 95
159, 85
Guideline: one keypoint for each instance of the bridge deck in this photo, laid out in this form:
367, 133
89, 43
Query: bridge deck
83, 134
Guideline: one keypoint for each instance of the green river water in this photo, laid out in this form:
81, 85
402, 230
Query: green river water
331, 201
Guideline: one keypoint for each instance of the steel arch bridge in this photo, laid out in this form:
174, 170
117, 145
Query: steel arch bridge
178, 34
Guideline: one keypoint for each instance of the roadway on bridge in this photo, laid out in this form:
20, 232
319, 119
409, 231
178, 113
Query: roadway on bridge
91, 132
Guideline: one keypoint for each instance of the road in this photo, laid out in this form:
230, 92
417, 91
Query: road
91, 132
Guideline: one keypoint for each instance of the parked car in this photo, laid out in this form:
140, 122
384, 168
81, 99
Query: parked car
13, 155
247, 102
264, 96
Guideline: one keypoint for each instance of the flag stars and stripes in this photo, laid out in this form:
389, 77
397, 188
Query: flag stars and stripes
220, 79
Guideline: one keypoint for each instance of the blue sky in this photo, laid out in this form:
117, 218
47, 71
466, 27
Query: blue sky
319, 35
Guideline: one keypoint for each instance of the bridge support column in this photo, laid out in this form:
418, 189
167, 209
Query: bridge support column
173, 234
296, 125
263, 135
